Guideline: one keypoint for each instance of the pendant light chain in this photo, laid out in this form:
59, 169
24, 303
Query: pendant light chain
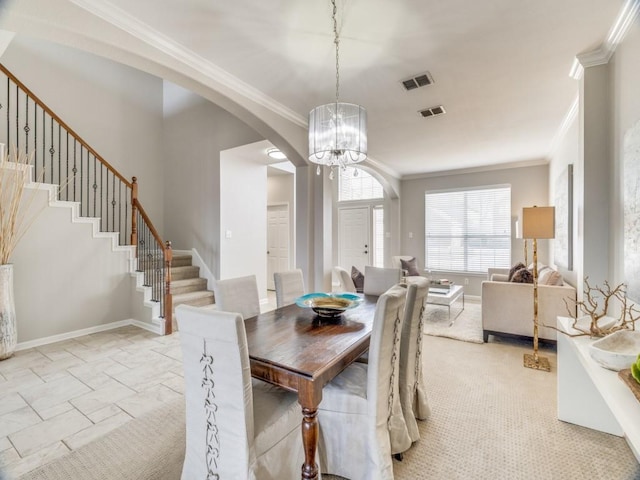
337, 42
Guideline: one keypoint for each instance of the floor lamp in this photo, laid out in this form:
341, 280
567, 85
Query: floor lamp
537, 223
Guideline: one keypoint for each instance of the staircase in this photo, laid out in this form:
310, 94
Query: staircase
187, 288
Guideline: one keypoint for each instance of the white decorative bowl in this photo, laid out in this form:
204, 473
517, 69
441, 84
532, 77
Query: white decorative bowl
617, 350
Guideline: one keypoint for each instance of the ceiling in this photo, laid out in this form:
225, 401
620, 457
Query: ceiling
500, 67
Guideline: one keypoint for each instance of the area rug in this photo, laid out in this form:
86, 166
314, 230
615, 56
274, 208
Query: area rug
467, 326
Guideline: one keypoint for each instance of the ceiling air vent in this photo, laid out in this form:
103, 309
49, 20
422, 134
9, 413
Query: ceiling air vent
420, 80
433, 111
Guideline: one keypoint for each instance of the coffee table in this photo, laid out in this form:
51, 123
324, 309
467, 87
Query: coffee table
446, 297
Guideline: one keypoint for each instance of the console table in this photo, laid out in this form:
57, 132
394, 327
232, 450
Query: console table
592, 396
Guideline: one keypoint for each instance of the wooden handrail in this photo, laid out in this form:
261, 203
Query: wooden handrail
63, 124
150, 225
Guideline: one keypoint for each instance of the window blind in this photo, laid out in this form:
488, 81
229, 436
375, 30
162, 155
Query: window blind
468, 230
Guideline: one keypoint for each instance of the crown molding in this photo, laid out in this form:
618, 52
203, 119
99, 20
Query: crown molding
142, 31
481, 169
569, 118
603, 54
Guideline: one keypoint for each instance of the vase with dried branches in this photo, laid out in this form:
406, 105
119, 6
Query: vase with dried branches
14, 221
596, 305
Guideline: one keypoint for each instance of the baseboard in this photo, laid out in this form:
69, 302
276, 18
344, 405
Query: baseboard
87, 331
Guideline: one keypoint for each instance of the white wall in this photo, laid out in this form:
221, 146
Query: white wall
529, 187
625, 106
243, 218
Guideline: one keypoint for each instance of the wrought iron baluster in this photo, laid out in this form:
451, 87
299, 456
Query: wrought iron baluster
113, 205
75, 168
26, 125
52, 151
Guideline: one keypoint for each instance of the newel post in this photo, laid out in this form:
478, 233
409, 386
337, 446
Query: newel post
168, 298
134, 214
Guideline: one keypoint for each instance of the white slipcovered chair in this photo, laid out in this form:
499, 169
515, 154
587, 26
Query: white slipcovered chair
238, 295
356, 407
413, 395
233, 430
289, 286
379, 280
346, 282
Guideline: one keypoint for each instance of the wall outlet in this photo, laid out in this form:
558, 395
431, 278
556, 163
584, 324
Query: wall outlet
410, 234
228, 234
466, 281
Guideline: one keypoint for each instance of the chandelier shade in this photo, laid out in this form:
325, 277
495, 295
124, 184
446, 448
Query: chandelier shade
337, 131
338, 134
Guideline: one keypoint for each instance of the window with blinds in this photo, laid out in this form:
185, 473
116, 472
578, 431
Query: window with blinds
360, 187
468, 230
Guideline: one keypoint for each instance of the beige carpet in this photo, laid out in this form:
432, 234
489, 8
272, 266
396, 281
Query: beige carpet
491, 419
467, 326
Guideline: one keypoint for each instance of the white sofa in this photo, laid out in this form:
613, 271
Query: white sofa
507, 307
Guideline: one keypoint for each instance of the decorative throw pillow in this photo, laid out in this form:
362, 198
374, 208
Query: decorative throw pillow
522, 276
358, 279
514, 269
411, 266
553, 278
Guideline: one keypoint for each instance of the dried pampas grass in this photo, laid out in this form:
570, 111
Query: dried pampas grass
15, 217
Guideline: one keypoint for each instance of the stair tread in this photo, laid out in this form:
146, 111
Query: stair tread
188, 281
185, 267
192, 295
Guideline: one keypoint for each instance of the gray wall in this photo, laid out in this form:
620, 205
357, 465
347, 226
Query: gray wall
65, 279
195, 132
116, 109
529, 186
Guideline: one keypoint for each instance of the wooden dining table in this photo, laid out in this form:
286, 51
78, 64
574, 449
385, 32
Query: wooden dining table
296, 349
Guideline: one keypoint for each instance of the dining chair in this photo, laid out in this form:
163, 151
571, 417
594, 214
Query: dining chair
346, 282
289, 286
413, 395
238, 294
355, 411
378, 280
234, 429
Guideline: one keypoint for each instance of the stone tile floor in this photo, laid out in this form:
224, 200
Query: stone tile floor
57, 397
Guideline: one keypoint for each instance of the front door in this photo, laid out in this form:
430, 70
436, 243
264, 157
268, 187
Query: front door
277, 241
354, 238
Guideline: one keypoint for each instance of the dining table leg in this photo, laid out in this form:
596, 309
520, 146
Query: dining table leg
309, 398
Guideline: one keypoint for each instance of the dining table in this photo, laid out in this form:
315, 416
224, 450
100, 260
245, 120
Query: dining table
300, 351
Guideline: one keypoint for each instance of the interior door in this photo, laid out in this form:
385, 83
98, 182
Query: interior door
277, 241
354, 240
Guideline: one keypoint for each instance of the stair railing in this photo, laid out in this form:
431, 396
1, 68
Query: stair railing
61, 157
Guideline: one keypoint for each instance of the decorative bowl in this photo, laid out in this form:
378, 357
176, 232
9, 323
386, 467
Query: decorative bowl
617, 350
329, 305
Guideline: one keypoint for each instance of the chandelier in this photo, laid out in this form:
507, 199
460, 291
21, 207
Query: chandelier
337, 131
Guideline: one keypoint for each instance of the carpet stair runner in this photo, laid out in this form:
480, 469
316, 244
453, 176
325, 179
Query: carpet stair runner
187, 287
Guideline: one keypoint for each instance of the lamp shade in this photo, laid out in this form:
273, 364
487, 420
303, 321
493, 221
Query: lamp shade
538, 222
